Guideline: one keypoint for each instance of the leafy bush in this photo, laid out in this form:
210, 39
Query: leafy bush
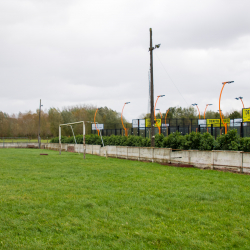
159, 140
229, 141
205, 141
245, 144
191, 141
174, 141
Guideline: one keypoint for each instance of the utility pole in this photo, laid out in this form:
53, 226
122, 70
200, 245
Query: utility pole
39, 126
157, 46
152, 92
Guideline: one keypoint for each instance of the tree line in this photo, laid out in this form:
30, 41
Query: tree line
26, 124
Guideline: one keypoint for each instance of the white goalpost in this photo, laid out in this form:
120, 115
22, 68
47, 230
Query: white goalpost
70, 125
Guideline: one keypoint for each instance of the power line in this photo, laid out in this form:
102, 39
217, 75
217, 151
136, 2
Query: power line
171, 79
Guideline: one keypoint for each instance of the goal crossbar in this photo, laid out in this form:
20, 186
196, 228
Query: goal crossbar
69, 124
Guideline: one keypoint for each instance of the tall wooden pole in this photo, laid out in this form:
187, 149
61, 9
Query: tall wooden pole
152, 92
39, 127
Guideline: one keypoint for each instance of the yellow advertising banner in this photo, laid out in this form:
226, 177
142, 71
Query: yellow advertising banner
216, 122
226, 120
246, 115
148, 122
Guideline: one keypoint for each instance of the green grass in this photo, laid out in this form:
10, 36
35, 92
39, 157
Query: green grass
23, 140
64, 202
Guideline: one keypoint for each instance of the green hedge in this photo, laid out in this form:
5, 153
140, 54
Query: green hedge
198, 141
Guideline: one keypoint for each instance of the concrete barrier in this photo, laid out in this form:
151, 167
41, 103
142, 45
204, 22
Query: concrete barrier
223, 160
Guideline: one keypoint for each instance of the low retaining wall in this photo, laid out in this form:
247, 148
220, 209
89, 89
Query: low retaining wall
224, 160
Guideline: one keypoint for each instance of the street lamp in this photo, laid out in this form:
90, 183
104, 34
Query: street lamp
240, 98
206, 109
159, 128
126, 129
224, 83
166, 117
96, 122
195, 104
160, 112
221, 113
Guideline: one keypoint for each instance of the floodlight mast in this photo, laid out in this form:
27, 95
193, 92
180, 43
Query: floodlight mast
195, 104
224, 83
206, 109
60, 138
96, 122
126, 129
159, 128
240, 98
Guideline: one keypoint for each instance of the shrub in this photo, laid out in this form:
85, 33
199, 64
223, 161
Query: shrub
229, 141
159, 140
174, 141
205, 141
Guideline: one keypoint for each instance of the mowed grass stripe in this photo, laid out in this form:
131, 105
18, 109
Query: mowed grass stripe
64, 202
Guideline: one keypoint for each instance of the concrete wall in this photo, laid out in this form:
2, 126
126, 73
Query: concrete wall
216, 159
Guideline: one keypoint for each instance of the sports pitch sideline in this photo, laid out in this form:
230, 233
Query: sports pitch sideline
64, 202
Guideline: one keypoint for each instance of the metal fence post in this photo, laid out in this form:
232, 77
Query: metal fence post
241, 130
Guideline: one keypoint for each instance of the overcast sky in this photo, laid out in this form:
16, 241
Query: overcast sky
96, 52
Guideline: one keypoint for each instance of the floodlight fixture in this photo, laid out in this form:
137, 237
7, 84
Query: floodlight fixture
227, 82
206, 109
126, 129
159, 128
157, 46
240, 98
223, 83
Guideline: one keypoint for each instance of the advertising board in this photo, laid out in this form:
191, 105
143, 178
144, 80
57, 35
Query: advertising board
98, 126
217, 123
246, 115
148, 122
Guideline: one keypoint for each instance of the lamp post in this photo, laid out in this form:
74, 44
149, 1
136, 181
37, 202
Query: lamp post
151, 48
160, 112
240, 98
161, 117
195, 104
221, 113
95, 122
126, 129
224, 83
206, 109
166, 117
159, 128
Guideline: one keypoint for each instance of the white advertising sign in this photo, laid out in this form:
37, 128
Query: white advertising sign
202, 123
98, 126
135, 123
142, 123
165, 125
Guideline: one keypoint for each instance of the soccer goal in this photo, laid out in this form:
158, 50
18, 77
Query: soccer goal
70, 125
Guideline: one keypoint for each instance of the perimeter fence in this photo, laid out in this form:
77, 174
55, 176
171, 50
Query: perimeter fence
185, 126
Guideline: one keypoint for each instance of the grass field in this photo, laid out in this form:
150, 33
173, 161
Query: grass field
23, 140
64, 202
